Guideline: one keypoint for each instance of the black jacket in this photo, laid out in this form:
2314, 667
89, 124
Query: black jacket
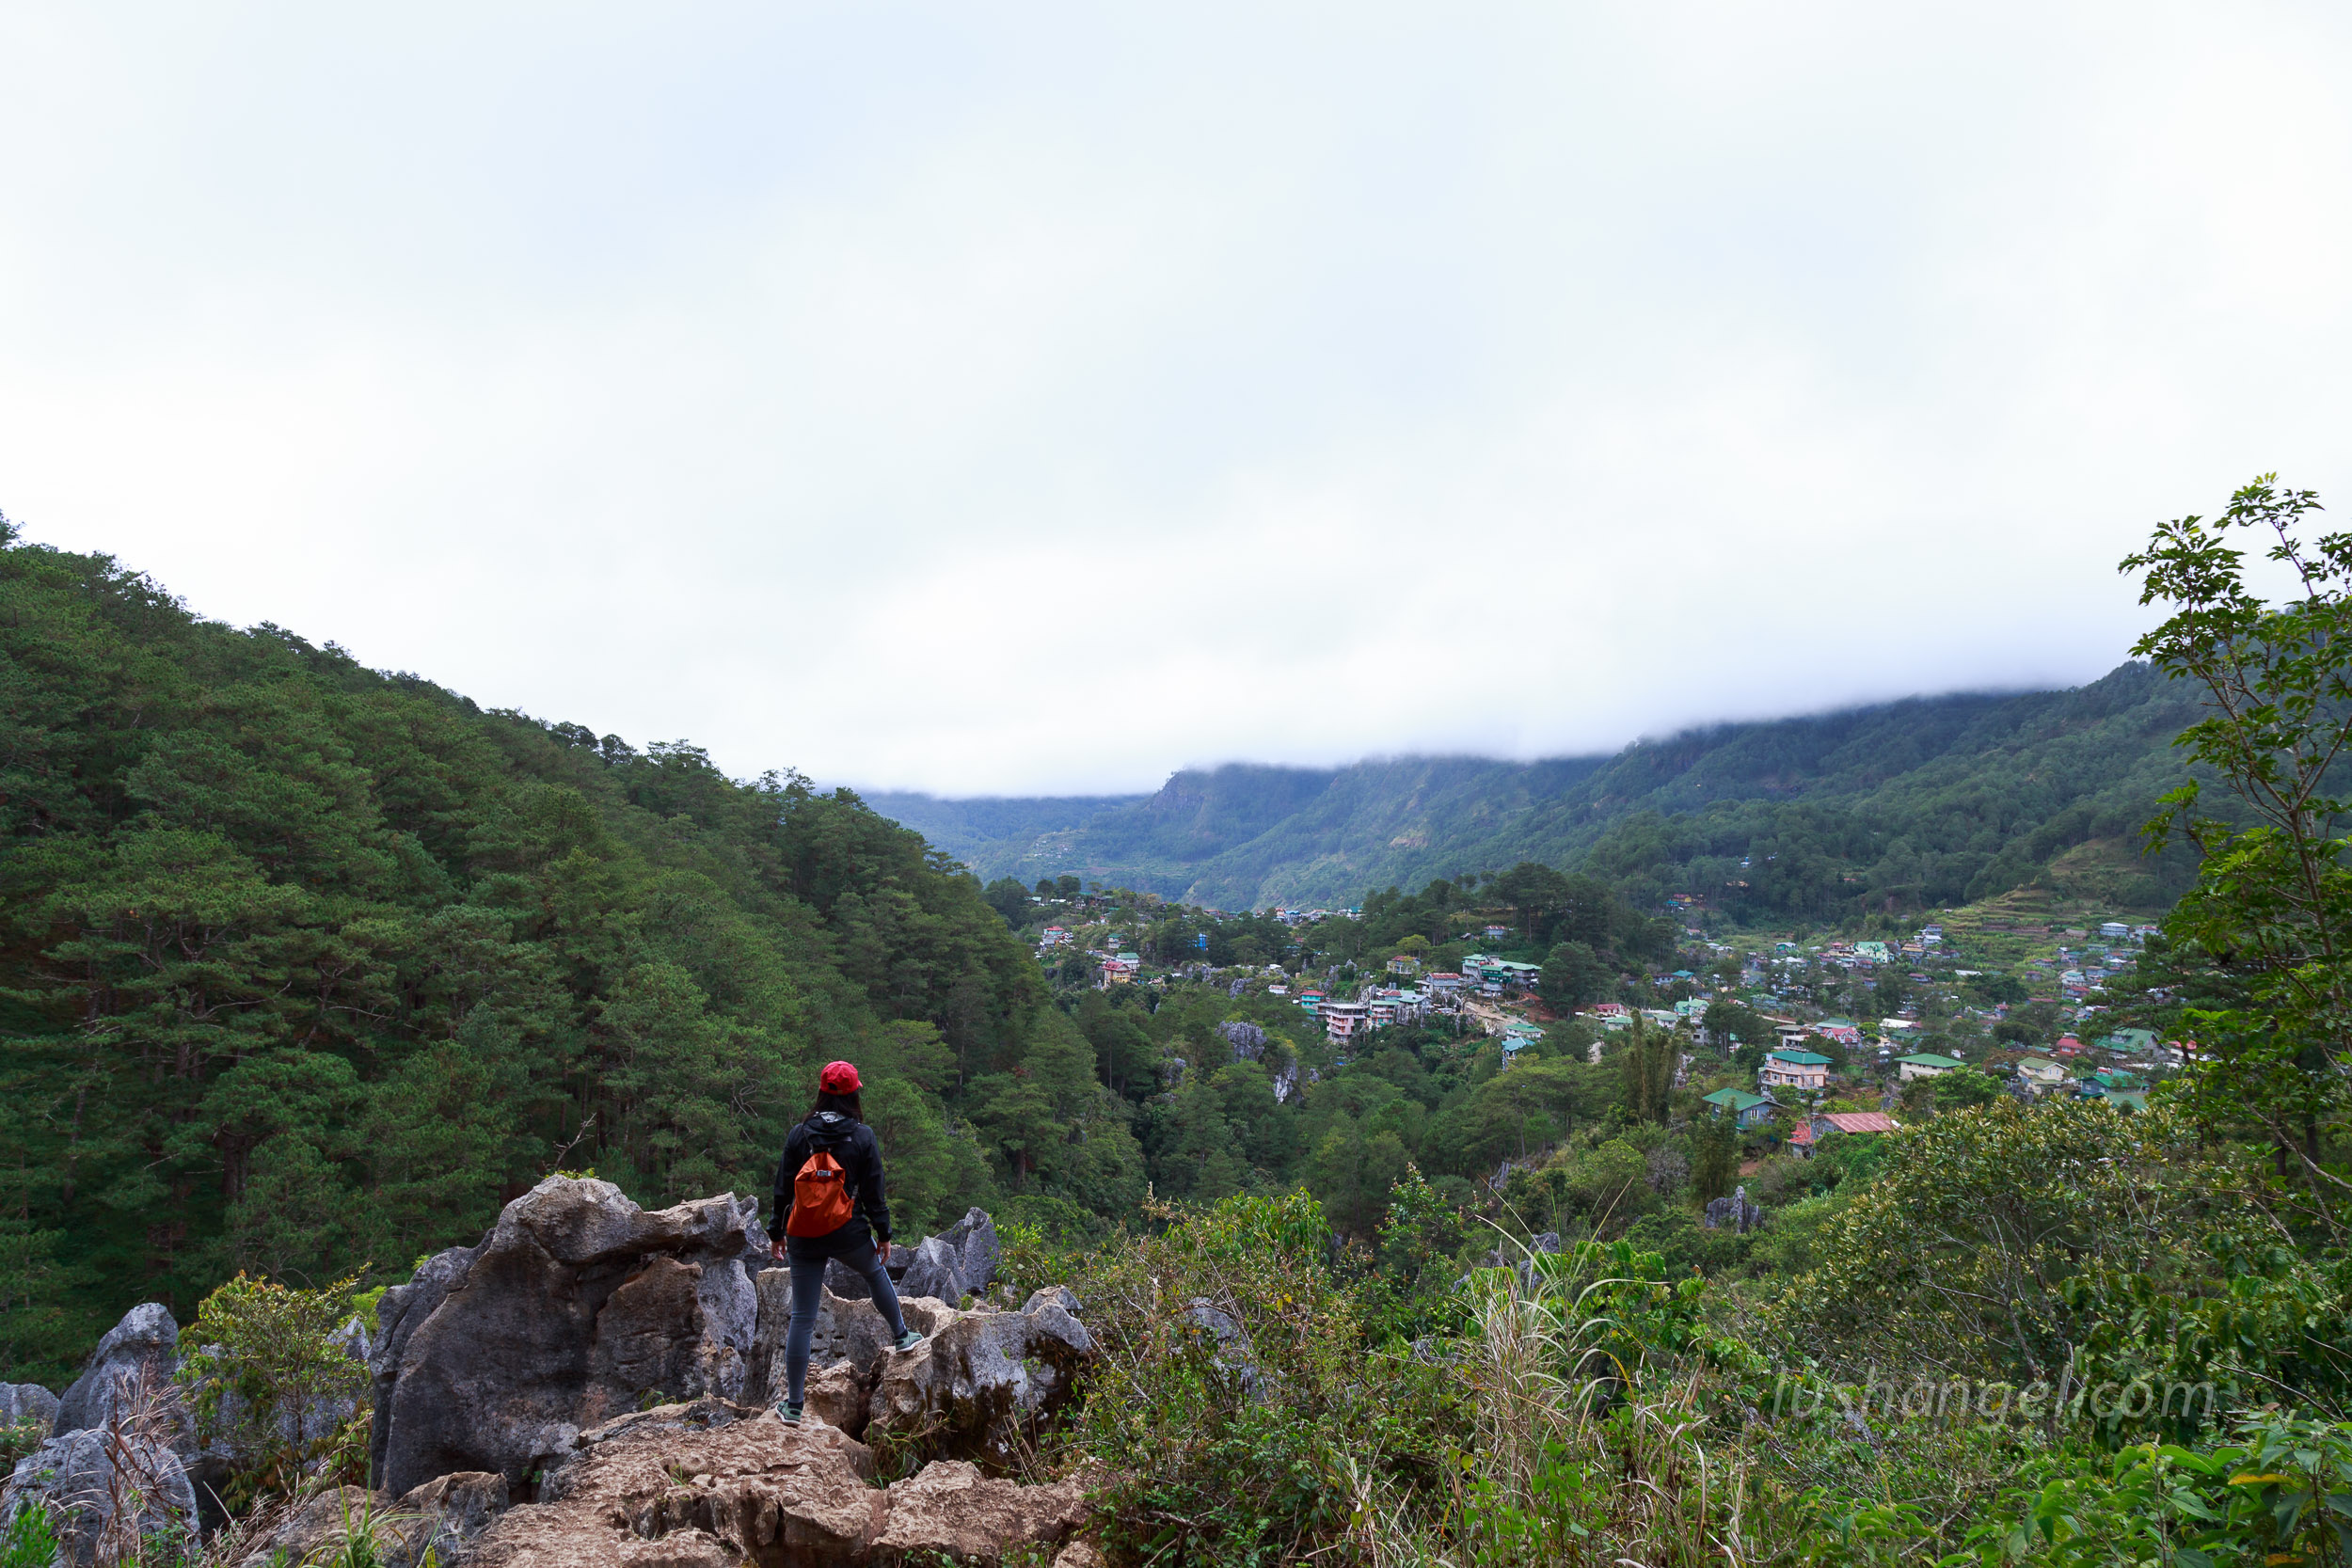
852, 1144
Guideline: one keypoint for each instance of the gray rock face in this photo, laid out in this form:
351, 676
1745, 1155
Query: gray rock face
1232, 1353
958, 1263
849, 1285
403, 1311
1735, 1212
1054, 1296
577, 1308
709, 1485
97, 1486
135, 1359
29, 1404
846, 1332
980, 1387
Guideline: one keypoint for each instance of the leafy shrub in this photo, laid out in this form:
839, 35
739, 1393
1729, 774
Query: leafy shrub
1239, 1403
2282, 1494
270, 1377
2261, 1320
17, 1441
30, 1540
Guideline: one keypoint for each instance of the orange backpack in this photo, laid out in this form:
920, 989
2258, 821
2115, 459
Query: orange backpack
821, 1197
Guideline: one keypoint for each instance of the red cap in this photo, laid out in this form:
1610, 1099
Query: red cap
838, 1078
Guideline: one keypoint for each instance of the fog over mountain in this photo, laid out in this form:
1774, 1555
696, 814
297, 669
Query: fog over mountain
1930, 800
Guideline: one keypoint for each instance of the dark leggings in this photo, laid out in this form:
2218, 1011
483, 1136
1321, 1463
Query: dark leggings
808, 1286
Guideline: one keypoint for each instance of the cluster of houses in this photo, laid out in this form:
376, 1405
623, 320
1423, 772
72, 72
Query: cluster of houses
1375, 1009
1794, 1070
1493, 976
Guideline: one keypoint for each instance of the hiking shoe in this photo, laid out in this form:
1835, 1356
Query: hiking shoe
908, 1340
789, 1413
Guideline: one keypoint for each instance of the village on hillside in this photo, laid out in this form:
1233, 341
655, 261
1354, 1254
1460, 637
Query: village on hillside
1791, 1038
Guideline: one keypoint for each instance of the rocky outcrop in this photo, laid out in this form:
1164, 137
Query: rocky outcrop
847, 1283
1734, 1212
980, 1387
712, 1484
847, 1332
958, 1263
950, 1510
446, 1515
123, 1429
577, 1307
1229, 1347
403, 1311
133, 1364
29, 1404
101, 1483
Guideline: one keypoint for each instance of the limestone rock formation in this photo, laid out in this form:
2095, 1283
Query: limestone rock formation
949, 1510
403, 1311
1231, 1352
133, 1362
712, 1484
849, 1285
29, 1404
99, 1482
845, 1331
959, 1261
577, 1306
1735, 1211
980, 1387
849, 1335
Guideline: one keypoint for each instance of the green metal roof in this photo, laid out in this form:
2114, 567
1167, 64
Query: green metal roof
1929, 1058
1802, 1058
1736, 1099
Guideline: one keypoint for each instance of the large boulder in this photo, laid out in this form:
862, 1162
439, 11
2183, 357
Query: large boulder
712, 1484
577, 1307
981, 1385
104, 1486
950, 1512
958, 1263
403, 1311
850, 1334
130, 1368
29, 1404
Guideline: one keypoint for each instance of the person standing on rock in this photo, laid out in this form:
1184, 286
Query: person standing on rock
829, 1205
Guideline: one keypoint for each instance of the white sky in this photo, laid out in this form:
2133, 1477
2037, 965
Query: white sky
1024, 399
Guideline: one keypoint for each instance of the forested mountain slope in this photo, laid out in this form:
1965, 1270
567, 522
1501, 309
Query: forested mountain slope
971, 828
1926, 802
303, 965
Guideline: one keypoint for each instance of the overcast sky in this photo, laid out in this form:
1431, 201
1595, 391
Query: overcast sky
996, 398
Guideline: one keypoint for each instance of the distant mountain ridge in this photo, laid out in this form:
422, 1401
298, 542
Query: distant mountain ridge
1928, 800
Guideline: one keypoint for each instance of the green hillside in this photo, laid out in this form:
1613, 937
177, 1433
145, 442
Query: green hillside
1922, 802
974, 829
303, 966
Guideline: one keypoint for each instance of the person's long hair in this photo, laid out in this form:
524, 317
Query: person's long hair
845, 1103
